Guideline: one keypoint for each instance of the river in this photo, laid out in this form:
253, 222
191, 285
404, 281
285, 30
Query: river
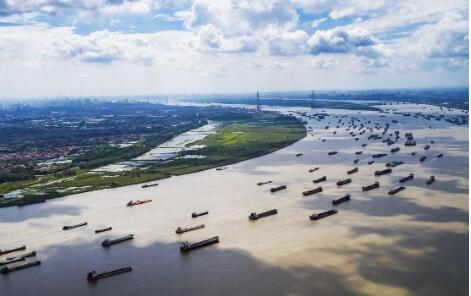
412, 243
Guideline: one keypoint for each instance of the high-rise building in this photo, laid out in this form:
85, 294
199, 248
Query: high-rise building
258, 102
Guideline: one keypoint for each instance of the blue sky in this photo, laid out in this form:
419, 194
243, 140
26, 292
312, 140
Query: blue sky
126, 47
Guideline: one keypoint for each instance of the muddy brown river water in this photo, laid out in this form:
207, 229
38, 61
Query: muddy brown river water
412, 243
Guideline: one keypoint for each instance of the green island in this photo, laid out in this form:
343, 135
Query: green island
236, 139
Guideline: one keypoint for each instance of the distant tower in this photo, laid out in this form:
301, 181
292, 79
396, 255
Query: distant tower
258, 102
313, 97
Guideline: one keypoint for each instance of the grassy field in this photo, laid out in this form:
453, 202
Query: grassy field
233, 142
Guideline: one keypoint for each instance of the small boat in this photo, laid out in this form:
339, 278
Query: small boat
187, 246
356, 161
371, 162
427, 147
358, 152
352, 171
92, 276
321, 215
313, 170
103, 229
195, 214
312, 191
275, 189
344, 182
396, 190
67, 227
299, 154
7, 269
423, 158
394, 150
322, 179
332, 152
20, 248
370, 187
18, 258
109, 242
440, 155
405, 179
413, 153
220, 168
264, 183
383, 172
138, 202
254, 216
431, 180
364, 145
150, 185
181, 230
341, 200
394, 164
379, 155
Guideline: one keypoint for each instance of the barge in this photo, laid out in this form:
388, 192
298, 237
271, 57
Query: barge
92, 276
187, 246
312, 191
67, 227
379, 155
440, 155
254, 216
405, 179
396, 190
150, 185
109, 242
299, 154
317, 216
18, 258
371, 162
423, 158
394, 164
344, 182
181, 230
370, 187
341, 200
394, 150
332, 153
313, 170
195, 214
275, 189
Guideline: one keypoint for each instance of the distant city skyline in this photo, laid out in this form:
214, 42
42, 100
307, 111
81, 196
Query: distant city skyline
123, 48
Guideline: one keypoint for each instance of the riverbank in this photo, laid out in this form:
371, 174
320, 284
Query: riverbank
234, 141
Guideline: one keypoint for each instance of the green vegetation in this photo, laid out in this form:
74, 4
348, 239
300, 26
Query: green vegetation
235, 140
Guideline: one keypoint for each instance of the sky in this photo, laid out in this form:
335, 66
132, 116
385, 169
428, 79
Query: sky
137, 47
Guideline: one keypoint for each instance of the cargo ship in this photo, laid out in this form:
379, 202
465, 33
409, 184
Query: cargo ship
275, 189
394, 164
431, 180
18, 258
187, 246
312, 191
67, 227
181, 230
352, 171
322, 179
313, 169
383, 172
138, 202
103, 229
92, 276
379, 155
317, 216
195, 214
370, 187
7, 269
396, 190
109, 242
440, 155
332, 152
254, 216
341, 200
150, 185
394, 150
344, 182
6, 251
405, 179
264, 183
423, 158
